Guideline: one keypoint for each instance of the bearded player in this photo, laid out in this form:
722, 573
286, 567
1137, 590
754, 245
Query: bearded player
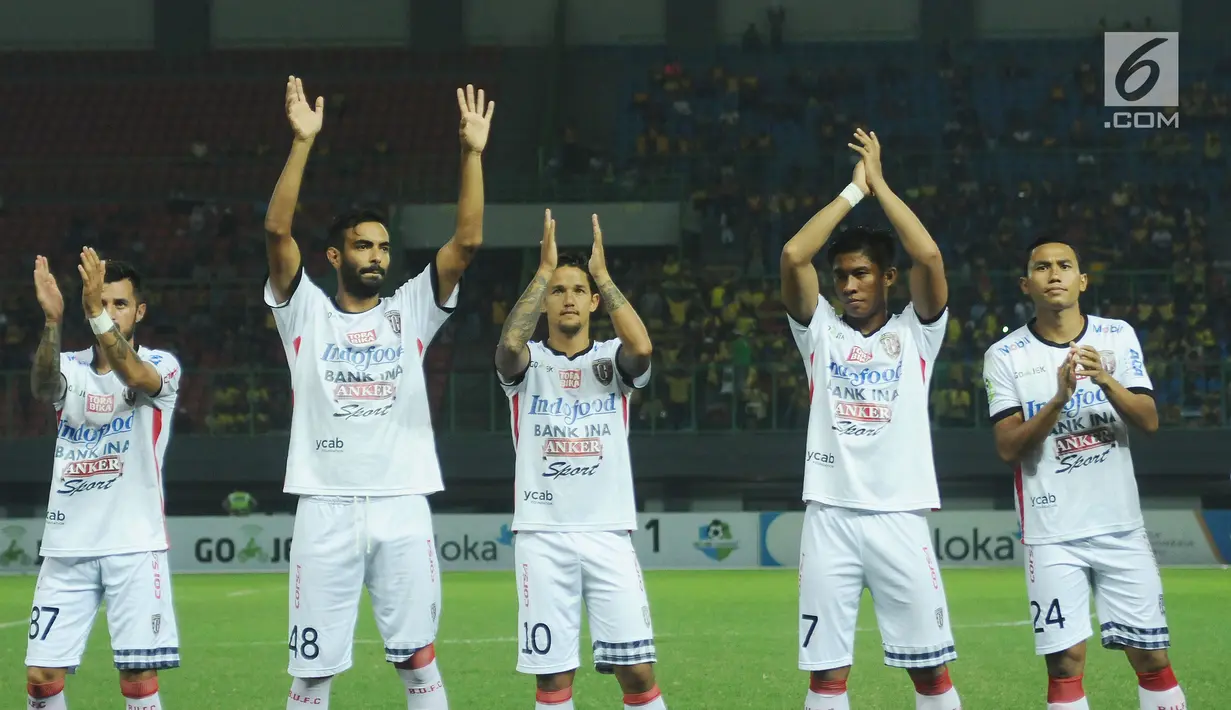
1063, 391
105, 538
574, 509
362, 454
868, 473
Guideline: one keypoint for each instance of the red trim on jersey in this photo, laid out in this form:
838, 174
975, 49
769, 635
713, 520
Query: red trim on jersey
162, 504
923, 367
1021, 500
811, 375
296, 342
420, 344
516, 418
624, 407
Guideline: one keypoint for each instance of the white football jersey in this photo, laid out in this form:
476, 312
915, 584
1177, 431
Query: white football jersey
111, 441
570, 430
361, 424
1080, 482
869, 438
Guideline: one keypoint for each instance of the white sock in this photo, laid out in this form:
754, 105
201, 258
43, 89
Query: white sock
654, 701
149, 702
424, 688
554, 699
1172, 699
55, 702
947, 700
309, 692
816, 701
1079, 704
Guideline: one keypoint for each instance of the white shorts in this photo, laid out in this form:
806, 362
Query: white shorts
1128, 593
140, 613
340, 546
841, 552
556, 571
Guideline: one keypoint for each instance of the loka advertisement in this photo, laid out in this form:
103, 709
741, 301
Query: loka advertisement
663, 541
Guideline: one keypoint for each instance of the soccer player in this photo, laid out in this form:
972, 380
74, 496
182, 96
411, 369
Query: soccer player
1063, 391
105, 536
574, 508
868, 472
362, 453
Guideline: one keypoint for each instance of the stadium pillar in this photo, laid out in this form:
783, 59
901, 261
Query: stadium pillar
181, 28
692, 24
436, 25
951, 20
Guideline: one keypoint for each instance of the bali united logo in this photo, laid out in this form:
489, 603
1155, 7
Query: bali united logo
395, 321
891, 344
1108, 359
156, 623
940, 617
604, 370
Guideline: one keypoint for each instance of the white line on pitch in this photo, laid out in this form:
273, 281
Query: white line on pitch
241, 592
8, 624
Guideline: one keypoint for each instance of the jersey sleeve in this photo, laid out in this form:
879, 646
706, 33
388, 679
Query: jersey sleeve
293, 314
1002, 398
68, 368
628, 383
809, 336
1133, 374
417, 299
168, 367
930, 335
517, 384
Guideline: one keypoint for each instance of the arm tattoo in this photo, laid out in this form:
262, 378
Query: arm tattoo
612, 296
116, 347
45, 375
524, 317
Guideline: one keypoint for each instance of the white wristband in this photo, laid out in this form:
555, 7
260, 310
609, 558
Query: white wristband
853, 194
101, 323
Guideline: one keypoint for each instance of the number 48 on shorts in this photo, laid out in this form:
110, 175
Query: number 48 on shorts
303, 643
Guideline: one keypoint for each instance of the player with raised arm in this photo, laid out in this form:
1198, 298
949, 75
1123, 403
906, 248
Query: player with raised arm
1063, 391
105, 536
574, 507
868, 472
362, 452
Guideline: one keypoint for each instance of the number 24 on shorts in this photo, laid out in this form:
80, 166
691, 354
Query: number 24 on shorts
304, 645
1054, 615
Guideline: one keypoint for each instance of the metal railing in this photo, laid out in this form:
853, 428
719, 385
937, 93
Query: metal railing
772, 396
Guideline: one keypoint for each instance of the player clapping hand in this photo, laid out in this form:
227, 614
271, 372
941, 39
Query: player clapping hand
305, 120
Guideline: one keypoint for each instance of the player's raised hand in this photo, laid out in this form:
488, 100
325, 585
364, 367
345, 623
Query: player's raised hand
93, 273
1066, 379
860, 178
869, 148
547, 247
305, 120
598, 259
476, 118
48, 291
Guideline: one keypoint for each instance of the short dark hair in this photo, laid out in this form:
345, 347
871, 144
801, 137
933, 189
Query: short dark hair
876, 244
350, 219
120, 270
578, 261
1051, 240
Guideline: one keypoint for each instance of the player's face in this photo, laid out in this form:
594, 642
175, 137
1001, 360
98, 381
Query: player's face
861, 285
120, 302
1053, 279
364, 259
569, 301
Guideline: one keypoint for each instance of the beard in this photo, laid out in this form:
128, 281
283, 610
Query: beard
569, 329
353, 283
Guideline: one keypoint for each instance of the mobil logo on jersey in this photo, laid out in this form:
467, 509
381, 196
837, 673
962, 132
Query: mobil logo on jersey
361, 358
569, 409
1014, 345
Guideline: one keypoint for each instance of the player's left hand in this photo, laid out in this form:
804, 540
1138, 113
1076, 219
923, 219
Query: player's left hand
476, 118
598, 260
869, 149
93, 272
1090, 364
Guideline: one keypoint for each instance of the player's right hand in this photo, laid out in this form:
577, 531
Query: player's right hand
860, 178
305, 121
48, 292
547, 247
1066, 379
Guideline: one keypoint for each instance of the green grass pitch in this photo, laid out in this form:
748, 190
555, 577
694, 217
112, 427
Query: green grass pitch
725, 640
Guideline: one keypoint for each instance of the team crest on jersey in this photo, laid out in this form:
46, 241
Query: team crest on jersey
940, 617
645, 614
130, 397
433, 612
395, 321
156, 623
858, 354
1108, 359
570, 379
604, 370
891, 344
100, 403
1162, 608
